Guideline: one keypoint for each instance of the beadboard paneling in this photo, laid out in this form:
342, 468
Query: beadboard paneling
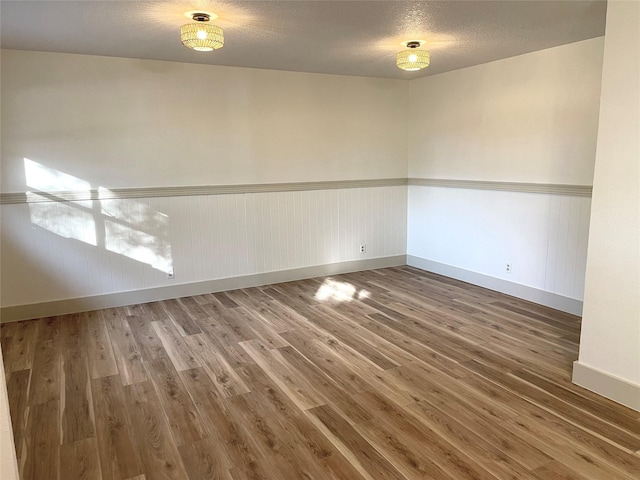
543, 236
61, 250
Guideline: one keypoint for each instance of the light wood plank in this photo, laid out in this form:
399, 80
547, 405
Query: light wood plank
19, 352
159, 454
18, 391
181, 414
125, 349
102, 362
77, 406
119, 457
41, 456
80, 460
45, 375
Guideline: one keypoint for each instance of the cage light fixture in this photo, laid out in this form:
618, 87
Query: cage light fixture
201, 35
412, 59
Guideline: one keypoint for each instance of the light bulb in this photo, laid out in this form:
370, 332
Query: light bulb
202, 34
413, 57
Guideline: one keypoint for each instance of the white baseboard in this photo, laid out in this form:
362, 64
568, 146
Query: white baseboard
119, 299
542, 297
607, 385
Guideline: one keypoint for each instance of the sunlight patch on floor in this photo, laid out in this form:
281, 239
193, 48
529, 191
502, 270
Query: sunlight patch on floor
339, 291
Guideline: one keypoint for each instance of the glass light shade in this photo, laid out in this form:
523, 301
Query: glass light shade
201, 36
412, 59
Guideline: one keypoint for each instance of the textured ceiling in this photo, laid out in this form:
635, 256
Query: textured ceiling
338, 37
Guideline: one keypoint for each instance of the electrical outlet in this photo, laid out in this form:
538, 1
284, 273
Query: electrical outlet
508, 269
170, 275
363, 248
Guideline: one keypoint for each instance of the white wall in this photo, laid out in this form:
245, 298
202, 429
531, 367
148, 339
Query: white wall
118, 122
532, 119
610, 341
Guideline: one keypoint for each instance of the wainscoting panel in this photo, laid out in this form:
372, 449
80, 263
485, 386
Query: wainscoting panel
542, 236
59, 250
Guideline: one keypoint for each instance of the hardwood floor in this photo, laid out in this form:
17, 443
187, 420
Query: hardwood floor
387, 374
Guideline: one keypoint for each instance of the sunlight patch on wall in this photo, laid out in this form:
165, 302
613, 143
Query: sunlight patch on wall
137, 245
67, 219
135, 230
124, 226
46, 179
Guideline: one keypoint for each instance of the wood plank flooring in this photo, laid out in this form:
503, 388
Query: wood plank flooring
387, 374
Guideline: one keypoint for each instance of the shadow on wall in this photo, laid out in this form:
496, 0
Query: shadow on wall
131, 228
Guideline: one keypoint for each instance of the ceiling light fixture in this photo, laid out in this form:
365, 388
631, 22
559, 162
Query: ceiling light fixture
201, 36
412, 59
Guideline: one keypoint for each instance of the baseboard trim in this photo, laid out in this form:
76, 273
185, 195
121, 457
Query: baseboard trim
542, 297
607, 385
119, 299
